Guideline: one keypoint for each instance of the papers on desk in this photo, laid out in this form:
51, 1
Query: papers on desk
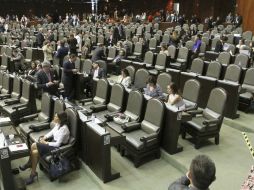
147, 97
2, 140
237, 35
68, 105
4, 121
18, 147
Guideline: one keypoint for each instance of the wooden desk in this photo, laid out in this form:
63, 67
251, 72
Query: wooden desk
171, 130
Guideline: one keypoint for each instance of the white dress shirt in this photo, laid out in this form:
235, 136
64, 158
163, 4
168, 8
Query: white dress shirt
126, 82
96, 73
60, 135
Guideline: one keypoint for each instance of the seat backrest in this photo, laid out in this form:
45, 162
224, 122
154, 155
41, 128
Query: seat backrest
29, 53
202, 47
231, 48
149, 57
172, 51
189, 44
141, 77
161, 61
224, 58
233, 73
17, 86
249, 77
242, 60
214, 42
153, 43
214, 70
73, 122
46, 107
165, 38
163, 80
183, 53
197, 66
216, 104
26, 91
78, 64
101, 92
59, 106
248, 83
112, 52
87, 65
191, 90
116, 98
247, 35
6, 84
131, 71
138, 47
153, 116
134, 105
4, 62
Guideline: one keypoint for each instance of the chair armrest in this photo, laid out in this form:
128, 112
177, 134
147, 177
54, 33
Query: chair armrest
195, 112
19, 106
28, 117
11, 102
39, 127
211, 122
149, 137
4, 96
98, 108
83, 101
131, 126
190, 109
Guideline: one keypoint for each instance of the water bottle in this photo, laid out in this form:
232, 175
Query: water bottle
93, 118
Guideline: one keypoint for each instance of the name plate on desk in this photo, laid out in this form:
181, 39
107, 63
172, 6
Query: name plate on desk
18, 147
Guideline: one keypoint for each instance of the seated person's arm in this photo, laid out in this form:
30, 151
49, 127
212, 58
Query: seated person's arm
174, 101
159, 92
61, 138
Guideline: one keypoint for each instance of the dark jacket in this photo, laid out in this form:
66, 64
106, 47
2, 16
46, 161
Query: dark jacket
39, 39
61, 53
68, 73
98, 54
218, 47
43, 79
182, 184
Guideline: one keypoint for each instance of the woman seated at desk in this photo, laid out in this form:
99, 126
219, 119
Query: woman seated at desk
152, 89
58, 136
174, 97
124, 78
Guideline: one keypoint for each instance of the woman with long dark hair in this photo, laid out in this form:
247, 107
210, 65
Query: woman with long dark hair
58, 136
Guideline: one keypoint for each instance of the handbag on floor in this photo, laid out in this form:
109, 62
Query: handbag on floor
59, 166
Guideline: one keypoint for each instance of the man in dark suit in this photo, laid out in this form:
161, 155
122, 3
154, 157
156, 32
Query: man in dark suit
62, 52
69, 77
199, 177
40, 38
72, 44
98, 53
220, 43
95, 73
47, 79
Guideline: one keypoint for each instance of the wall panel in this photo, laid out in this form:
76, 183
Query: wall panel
246, 9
